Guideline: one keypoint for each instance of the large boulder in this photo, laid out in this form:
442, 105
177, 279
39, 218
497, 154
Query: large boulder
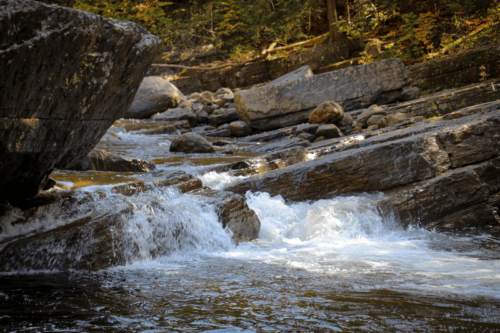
292, 102
154, 95
191, 143
67, 75
99, 160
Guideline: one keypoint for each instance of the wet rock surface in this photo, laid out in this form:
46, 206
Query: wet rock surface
95, 237
53, 112
233, 212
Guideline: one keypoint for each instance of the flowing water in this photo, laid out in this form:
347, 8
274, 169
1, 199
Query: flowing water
331, 265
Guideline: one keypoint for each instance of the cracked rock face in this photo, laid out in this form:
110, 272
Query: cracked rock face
66, 76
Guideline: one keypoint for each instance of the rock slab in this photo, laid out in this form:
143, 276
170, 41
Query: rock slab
353, 88
67, 75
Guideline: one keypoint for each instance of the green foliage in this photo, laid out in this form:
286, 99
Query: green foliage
365, 58
150, 14
418, 31
240, 28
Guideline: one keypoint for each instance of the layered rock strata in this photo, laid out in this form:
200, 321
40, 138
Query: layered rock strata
385, 165
67, 75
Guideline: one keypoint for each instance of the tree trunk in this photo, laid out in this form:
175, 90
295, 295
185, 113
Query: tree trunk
362, 38
332, 19
347, 12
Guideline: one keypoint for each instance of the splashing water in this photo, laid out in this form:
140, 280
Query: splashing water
217, 181
347, 237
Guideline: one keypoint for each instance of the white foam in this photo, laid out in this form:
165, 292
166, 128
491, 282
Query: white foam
217, 181
346, 236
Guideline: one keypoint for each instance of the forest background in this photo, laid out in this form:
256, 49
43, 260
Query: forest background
413, 30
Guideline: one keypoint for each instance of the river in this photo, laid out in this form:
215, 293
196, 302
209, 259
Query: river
331, 265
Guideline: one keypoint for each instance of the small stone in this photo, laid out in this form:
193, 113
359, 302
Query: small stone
191, 143
373, 120
327, 113
346, 121
410, 94
240, 128
222, 92
321, 138
417, 119
357, 129
199, 129
367, 113
307, 128
228, 152
201, 116
228, 98
196, 97
208, 109
207, 97
329, 131
220, 143
307, 136
401, 116
197, 106
185, 104
372, 128
391, 120
220, 102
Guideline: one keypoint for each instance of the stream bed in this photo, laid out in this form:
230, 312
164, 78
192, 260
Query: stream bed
331, 265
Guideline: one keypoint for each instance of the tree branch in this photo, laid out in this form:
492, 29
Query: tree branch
243, 63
